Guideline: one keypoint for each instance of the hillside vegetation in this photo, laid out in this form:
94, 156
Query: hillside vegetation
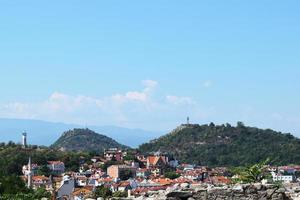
85, 140
226, 145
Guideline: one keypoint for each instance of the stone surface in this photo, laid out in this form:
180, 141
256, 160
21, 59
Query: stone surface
238, 192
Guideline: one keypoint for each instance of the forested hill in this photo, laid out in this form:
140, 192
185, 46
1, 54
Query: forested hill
226, 145
85, 140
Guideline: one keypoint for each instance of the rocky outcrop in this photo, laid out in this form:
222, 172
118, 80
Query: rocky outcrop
239, 192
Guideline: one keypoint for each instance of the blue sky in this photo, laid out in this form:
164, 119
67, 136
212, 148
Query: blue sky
150, 64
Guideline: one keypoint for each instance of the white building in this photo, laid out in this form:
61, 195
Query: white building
56, 167
284, 178
34, 169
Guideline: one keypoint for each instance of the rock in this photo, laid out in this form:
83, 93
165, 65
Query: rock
179, 195
251, 190
258, 186
237, 192
238, 188
281, 190
184, 185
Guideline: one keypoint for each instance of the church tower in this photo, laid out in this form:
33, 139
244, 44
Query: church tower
29, 174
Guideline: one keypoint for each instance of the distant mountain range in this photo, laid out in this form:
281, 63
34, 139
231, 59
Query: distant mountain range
46, 133
83, 139
226, 145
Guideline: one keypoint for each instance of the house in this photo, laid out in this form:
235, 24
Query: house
105, 181
93, 182
163, 181
124, 186
34, 169
143, 172
187, 167
98, 159
81, 181
114, 187
41, 181
82, 193
157, 164
157, 161
220, 180
285, 178
287, 170
56, 167
56, 182
113, 154
115, 171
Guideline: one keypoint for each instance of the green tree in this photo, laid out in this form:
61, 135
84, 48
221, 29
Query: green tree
41, 193
44, 171
120, 194
172, 175
125, 174
12, 185
240, 124
254, 173
102, 191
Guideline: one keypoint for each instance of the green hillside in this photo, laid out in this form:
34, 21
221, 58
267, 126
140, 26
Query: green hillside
226, 145
85, 140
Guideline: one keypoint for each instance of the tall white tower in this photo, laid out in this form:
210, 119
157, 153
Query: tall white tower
29, 174
24, 139
188, 120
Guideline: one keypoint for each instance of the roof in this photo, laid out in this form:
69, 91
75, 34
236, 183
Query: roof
124, 184
163, 181
221, 179
122, 167
153, 160
106, 180
84, 190
37, 178
55, 162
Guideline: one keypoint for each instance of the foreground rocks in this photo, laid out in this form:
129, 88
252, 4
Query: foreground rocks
208, 192
239, 192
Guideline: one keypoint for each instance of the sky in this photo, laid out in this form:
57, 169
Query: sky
150, 64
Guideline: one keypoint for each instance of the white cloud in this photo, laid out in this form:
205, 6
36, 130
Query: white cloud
131, 109
138, 96
176, 100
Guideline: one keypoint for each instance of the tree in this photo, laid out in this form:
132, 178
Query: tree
254, 173
172, 175
12, 185
102, 191
119, 194
125, 174
41, 193
212, 124
129, 157
240, 124
44, 171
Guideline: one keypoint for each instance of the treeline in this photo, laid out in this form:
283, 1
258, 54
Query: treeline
14, 156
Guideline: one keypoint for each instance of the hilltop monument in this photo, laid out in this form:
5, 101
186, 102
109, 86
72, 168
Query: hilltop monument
24, 139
